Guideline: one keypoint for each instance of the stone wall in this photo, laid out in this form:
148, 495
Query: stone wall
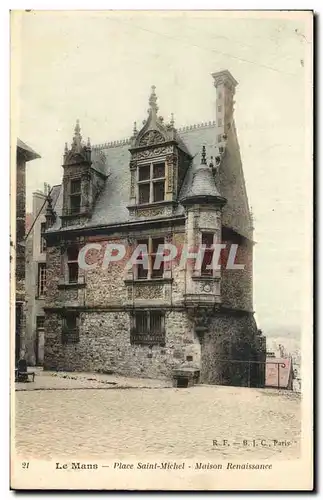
232, 337
237, 284
105, 346
20, 227
34, 304
105, 322
106, 287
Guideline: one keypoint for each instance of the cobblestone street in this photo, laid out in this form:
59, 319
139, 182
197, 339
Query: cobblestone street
129, 421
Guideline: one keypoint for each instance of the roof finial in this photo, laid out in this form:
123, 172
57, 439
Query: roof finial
203, 159
172, 122
153, 100
77, 128
88, 143
77, 136
66, 148
135, 131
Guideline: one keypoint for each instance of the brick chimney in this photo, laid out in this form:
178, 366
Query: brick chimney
225, 86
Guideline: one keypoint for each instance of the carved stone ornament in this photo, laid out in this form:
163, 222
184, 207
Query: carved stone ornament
151, 137
150, 212
151, 153
171, 159
149, 292
170, 178
206, 287
132, 184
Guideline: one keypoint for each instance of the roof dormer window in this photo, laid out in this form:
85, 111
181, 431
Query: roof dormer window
75, 196
151, 182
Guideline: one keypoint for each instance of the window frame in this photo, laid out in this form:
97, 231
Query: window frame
41, 280
40, 326
75, 194
150, 275
43, 243
72, 262
209, 251
151, 181
149, 337
70, 335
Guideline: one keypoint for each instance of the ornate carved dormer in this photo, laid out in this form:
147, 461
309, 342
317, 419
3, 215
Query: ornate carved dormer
81, 182
159, 161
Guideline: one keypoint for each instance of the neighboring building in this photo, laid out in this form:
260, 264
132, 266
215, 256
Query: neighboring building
181, 186
36, 276
24, 154
285, 352
279, 372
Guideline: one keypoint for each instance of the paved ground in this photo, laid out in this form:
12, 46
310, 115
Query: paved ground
152, 421
47, 380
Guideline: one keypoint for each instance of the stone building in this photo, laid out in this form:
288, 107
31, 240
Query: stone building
24, 154
180, 186
36, 276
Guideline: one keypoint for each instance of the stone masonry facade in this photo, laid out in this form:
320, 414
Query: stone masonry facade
24, 154
161, 186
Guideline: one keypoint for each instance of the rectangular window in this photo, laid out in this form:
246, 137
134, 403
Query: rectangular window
41, 279
207, 240
158, 170
42, 239
75, 186
70, 328
220, 138
219, 109
155, 243
40, 322
148, 328
151, 183
152, 245
220, 122
144, 172
142, 273
75, 196
144, 193
75, 204
141, 322
72, 264
159, 191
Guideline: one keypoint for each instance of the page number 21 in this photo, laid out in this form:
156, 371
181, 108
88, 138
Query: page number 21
25, 465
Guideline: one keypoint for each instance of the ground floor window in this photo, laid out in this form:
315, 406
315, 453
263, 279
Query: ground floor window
70, 328
39, 340
148, 328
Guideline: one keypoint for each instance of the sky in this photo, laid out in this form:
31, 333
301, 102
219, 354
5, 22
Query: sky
98, 67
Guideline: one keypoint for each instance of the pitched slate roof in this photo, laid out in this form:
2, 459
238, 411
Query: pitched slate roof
54, 194
111, 205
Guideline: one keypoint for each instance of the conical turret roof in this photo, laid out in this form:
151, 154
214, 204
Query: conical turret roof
203, 188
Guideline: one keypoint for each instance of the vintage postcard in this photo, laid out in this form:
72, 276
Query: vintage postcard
161, 250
